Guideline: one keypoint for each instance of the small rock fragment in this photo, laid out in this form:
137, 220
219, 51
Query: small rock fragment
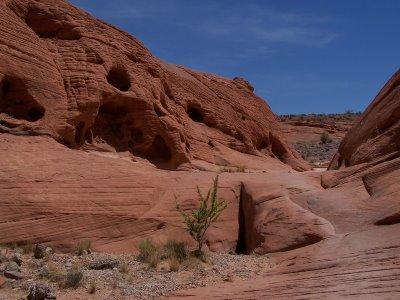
40, 291
103, 264
17, 259
40, 251
11, 266
13, 275
49, 250
2, 281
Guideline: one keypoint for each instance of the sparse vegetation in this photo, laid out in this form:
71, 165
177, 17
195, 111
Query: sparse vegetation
82, 247
175, 250
325, 138
74, 277
52, 273
148, 252
27, 247
199, 220
174, 264
124, 268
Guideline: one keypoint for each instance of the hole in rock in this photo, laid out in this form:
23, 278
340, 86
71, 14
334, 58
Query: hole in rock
119, 79
241, 241
79, 132
262, 145
195, 114
390, 220
277, 147
113, 125
137, 135
159, 151
46, 26
16, 101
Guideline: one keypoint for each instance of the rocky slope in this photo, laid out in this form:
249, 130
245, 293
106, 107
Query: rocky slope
305, 133
378, 133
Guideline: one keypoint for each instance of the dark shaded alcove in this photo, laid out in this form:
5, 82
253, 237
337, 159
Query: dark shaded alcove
159, 151
47, 26
195, 114
17, 102
241, 241
119, 78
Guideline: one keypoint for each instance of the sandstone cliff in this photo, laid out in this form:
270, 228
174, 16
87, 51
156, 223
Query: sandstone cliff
90, 85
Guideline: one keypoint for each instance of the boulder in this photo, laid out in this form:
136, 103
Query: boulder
16, 257
40, 251
13, 275
102, 264
272, 222
11, 266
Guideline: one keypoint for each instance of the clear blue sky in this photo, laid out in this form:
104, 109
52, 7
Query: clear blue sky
302, 56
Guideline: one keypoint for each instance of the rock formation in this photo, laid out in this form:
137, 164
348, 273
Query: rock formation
90, 85
360, 201
378, 133
84, 108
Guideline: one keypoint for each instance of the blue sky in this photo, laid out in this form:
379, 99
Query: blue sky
302, 56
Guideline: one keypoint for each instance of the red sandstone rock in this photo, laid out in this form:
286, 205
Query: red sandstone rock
361, 201
2, 281
377, 133
274, 223
70, 78
88, 84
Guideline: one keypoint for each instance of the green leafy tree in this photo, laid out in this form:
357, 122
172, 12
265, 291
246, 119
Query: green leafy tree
199, 220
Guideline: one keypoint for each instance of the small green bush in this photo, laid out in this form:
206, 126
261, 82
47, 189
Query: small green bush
325, 138
199, 220
175, 250
148, 253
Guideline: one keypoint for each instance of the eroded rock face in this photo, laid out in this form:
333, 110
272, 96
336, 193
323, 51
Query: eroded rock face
272, 222
88, 84
360, 200
377, 134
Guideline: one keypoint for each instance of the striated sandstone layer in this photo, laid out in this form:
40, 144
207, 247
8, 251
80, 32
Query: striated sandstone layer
89, 85
360, 200
377, 134
84, 107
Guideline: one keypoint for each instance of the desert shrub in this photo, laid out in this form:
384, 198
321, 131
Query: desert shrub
148, 253
325, 138
52, 273
73, 278
174, 264
124, 268
27, 247
199, 220
175, 250
82, 247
